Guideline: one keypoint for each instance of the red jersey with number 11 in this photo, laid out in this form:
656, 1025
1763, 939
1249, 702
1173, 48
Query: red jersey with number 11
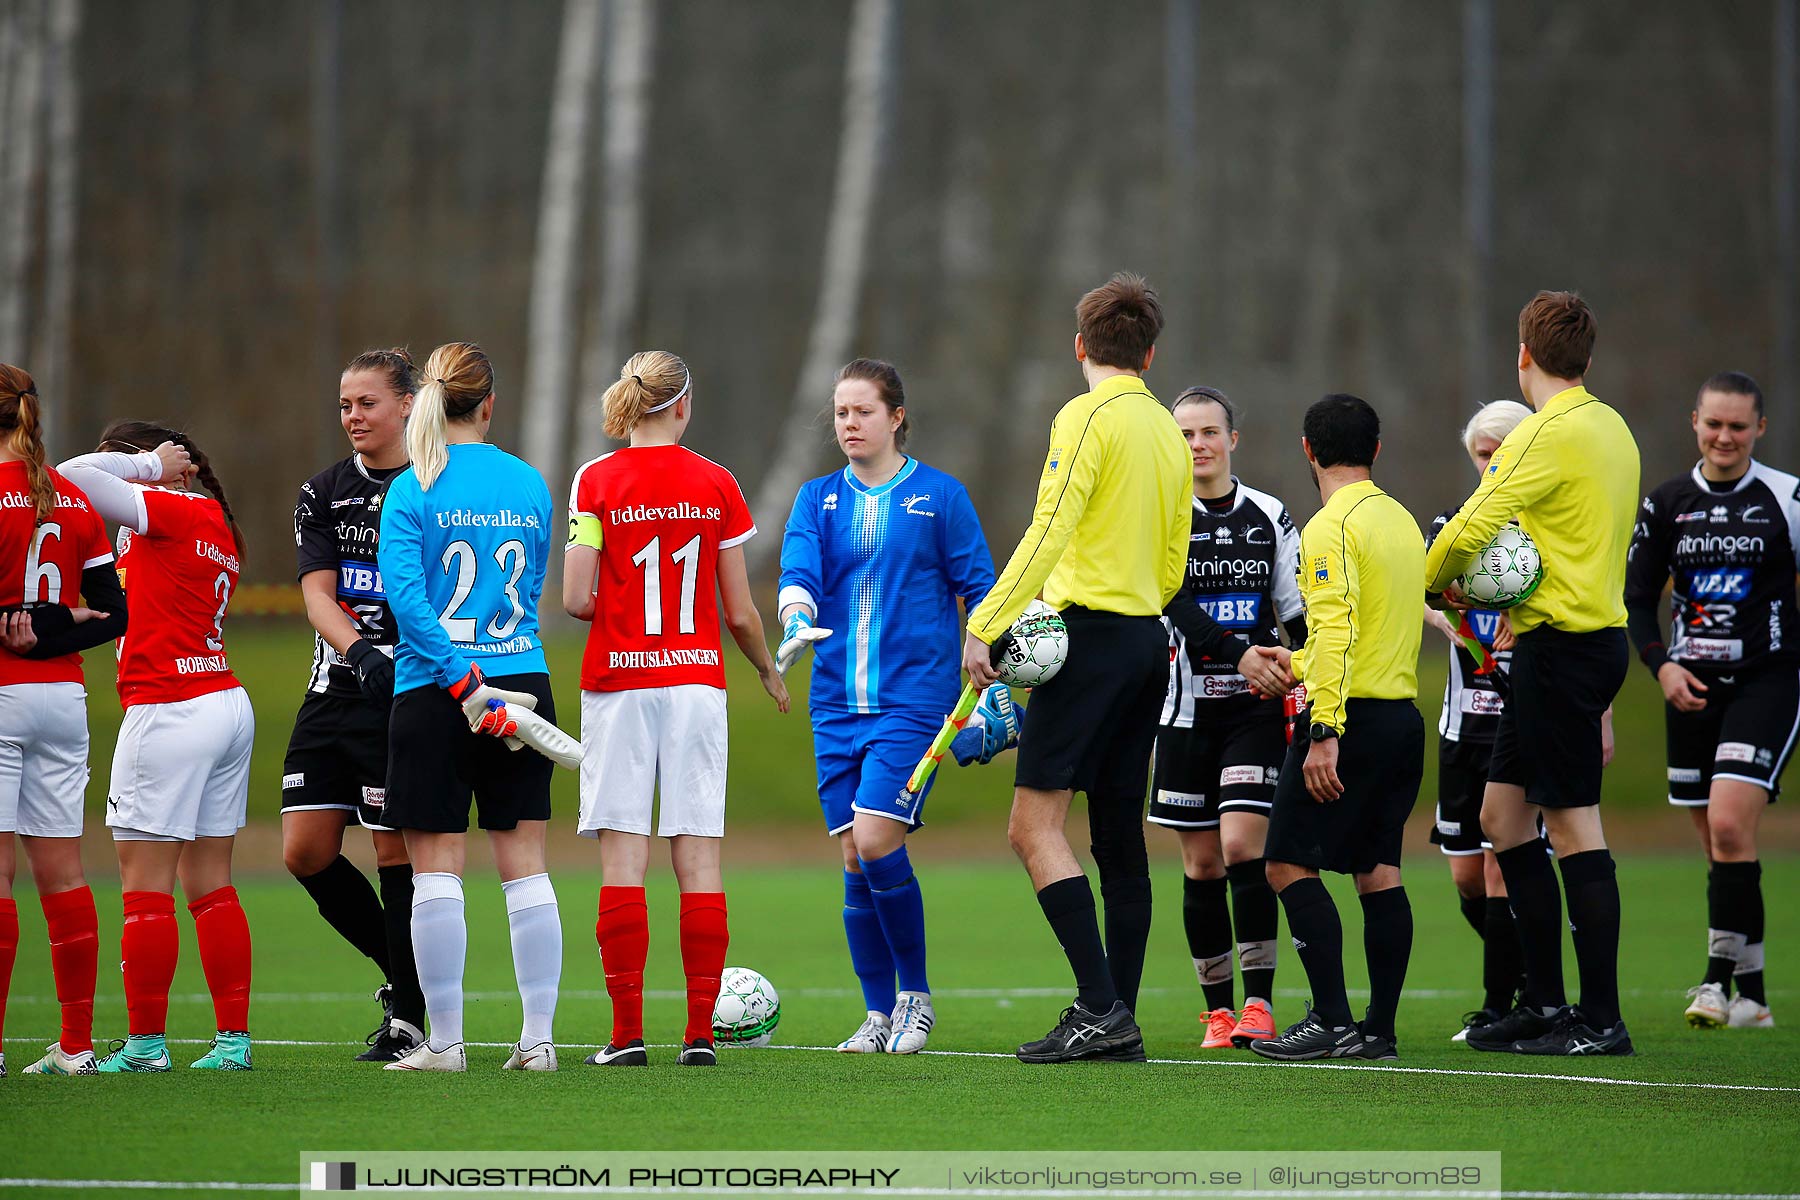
42, 562
664, 514
178, 575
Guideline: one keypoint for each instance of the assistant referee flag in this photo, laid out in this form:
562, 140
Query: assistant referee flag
1569, 473
1110, 531
1359, 565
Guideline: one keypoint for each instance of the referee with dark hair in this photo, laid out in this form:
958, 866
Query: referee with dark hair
1350, 782
1108, 548
1569, 473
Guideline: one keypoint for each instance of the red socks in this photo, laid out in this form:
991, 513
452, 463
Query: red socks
74, 956
623, 931
224, 937
704, 936
9, 949
149, 946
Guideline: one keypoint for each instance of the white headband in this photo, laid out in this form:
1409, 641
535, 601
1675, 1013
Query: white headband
686, 380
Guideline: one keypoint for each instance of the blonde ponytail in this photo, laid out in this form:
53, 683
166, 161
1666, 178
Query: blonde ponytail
456, 379
20, 421
650, 381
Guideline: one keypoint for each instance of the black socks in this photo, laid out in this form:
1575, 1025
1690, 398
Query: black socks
1502, 958
1208, 923
1128, 908
1068, 905
1536, 904
403, 973
1256, 914
348, 904
1734, 912
1387, 943
1592, 885
1319, 937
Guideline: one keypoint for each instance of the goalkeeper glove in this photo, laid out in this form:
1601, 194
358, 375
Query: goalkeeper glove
797, 633
994, 727
374, 671
485, 707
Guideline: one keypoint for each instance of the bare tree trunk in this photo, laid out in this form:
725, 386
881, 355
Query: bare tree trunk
868, 76
551, 339
52, 358
630, 67
1181, 73
17, 208
327, 83
1785, 194
1478, 199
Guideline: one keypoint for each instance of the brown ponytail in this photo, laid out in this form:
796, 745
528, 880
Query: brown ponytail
144, 435
21, 423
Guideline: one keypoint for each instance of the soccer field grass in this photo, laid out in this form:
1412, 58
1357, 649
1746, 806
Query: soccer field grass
1702, 1113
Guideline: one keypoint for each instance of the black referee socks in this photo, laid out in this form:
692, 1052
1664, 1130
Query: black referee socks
1537, 912
348, 904
1208, 923
1128, 906
1502, 959
396, 913
1387, 944
1319, 937
1591, 880
1068, 905
1734, 917
1474, 911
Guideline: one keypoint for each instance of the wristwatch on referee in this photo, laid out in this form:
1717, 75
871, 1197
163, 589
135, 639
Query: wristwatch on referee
1321, 733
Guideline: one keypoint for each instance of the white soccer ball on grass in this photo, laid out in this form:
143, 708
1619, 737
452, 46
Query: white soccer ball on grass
747, 1011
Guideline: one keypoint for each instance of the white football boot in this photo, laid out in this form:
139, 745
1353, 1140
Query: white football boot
912, 1022
1746, 1013
871, 1037
55, 1062
1709, 1008
423, 1058
541, 1057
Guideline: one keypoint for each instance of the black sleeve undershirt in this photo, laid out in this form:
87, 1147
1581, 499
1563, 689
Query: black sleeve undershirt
56, 630
1206, 638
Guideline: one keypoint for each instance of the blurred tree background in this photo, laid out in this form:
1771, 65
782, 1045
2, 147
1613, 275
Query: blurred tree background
206, 206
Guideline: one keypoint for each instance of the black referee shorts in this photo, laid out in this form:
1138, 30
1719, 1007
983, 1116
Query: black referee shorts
1548, 741
1381, 760
436, 763
337, 759
1092, 727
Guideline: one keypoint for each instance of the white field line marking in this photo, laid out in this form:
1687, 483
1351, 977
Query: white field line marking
225, 1185
1257, 1064
1016, 993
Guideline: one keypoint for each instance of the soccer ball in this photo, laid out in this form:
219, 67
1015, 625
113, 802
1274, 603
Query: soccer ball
747, 1011
1035, 647
1506, 571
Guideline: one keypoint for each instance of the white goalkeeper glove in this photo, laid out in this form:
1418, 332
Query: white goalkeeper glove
797, 633
475, 696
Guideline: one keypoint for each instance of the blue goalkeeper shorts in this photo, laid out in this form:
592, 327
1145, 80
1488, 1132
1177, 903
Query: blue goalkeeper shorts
864, 761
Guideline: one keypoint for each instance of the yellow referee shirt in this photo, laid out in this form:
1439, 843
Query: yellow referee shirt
1114, 503
1569, 473
1359, 562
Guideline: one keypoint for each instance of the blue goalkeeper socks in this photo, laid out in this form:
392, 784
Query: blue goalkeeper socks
869, 954
901, 908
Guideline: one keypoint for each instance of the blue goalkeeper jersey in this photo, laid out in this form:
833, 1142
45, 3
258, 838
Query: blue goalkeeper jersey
882, 568
463, 566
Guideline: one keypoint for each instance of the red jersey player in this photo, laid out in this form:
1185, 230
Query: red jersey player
654, 529
181, 769
52, 547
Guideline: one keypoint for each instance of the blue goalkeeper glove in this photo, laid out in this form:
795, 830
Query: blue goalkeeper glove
995, 727
797, 633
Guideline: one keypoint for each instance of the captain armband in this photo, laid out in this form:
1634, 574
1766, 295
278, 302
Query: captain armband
584, 530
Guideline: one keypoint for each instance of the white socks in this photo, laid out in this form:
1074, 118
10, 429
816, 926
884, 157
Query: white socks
537, 947
440, 947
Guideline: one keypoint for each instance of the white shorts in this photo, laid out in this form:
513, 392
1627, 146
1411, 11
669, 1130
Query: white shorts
182, 769
43, 758
631, 741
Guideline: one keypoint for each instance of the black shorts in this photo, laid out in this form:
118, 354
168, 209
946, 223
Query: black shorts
1224, 765
1381, 760
435, 763
1462, 780
1092, 726
337, 759
1745, 732
1548, 741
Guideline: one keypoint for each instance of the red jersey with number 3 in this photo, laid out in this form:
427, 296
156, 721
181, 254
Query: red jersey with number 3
664, 514
42, 563
178, 576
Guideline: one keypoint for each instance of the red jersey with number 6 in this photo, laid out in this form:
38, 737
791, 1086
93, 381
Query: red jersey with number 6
42, 563
178, 576
660, 516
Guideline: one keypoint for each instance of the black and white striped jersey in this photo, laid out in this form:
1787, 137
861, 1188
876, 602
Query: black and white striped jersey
1472, 702
1242, 568
1730, 550
337, 528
